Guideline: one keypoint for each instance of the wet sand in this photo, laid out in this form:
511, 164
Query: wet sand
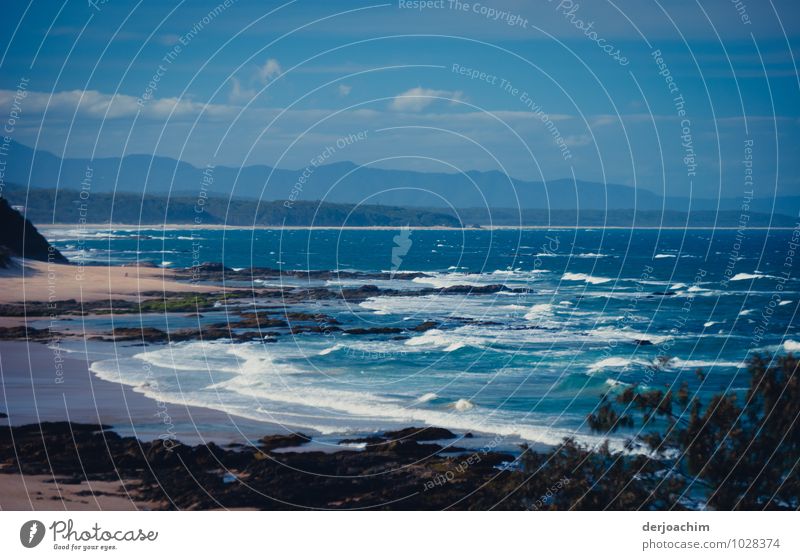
36, 387
44, 493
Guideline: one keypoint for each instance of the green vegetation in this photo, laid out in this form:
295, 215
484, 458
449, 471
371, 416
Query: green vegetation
738, 451
174, 304
42, 206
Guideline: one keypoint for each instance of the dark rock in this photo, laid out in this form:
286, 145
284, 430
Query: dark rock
386, 474
254, 320
145, 334
426, 326
210, 267
372, 440
156, 336
5, 257
24, 333
420, 434
22, 239
69, 481
315, 317
289, 440
487, 289
318, 329
141, 264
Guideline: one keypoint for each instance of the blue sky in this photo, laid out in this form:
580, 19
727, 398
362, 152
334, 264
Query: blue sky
276, 83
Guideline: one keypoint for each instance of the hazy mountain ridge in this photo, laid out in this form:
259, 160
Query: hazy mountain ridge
347, 183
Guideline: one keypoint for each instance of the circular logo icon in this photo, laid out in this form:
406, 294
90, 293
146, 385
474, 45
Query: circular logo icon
31, 533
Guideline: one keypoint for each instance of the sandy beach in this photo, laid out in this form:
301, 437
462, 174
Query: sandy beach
42, 384
42, 281
47, 493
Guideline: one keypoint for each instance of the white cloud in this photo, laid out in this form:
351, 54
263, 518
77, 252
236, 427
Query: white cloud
97, 105
416, 99
269, 70
344, 90
263, 74
239, 93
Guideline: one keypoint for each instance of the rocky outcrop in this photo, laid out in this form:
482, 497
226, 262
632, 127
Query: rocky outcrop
24, 333
401, 474
19, 237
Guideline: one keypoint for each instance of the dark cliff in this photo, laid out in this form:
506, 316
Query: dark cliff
19, 237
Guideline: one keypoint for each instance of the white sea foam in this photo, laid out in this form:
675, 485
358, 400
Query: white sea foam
216, 356
447, 341
463, 405
72, 234
665, 256
746, 276
440, 306
306, 405
330, 350
621, 363
791, 346
615, 382
678, 363
580, 277
451, 279
626, 333
539, 311
615, 362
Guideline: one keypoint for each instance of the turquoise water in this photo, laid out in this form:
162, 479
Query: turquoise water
586, 312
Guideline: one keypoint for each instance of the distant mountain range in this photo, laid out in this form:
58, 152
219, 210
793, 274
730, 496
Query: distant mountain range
46, 206
346, 183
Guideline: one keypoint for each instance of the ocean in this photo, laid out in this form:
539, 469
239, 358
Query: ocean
583, 313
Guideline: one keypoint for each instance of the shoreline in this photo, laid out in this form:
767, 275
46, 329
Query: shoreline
72, 441
215, 227
58, 385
